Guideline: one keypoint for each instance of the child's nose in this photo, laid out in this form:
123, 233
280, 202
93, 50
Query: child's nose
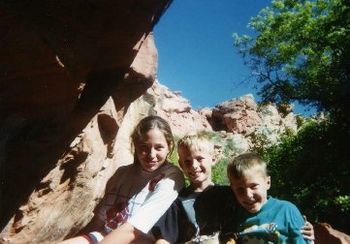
152, 152
195, 164
249, 193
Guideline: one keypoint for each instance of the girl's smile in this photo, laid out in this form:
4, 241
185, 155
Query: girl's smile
152, 150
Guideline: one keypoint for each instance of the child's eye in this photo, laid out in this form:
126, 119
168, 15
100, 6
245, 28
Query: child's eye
254, 187
143, 147
160, 147
199, 159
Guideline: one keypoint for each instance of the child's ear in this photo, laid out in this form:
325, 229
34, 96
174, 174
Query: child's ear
268, 182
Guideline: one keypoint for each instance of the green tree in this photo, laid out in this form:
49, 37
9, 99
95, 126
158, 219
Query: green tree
301, 52
311, 169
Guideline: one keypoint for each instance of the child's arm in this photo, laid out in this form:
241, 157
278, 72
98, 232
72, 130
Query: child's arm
126, 233
162, 241
296, 225
156, 204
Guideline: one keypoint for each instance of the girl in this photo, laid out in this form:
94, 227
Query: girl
138, 194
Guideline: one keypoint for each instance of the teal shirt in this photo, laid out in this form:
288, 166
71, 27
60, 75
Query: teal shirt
278, 221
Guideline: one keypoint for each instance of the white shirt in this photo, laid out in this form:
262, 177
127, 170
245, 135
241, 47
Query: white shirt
140, 197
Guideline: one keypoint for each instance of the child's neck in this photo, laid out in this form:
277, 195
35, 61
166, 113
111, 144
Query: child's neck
199, 187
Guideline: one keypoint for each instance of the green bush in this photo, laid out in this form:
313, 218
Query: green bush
219, 174
229, 151
311, 169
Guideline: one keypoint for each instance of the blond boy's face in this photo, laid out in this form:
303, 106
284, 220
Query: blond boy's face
251, 189
196, 164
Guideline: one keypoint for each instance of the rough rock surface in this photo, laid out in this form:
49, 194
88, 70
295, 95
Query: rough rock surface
243, 116
69, 90
176, 110
237, 115
325, 234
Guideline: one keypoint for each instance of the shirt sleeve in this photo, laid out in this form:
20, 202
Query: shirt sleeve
295, 224
158, 201
110, 192
167, 227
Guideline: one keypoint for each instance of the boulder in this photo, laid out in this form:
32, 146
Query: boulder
325, 234
237, 115
245, 117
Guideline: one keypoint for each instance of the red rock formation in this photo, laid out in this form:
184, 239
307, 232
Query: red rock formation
325, 234
236, 115
68, 79
177, 111
243, 116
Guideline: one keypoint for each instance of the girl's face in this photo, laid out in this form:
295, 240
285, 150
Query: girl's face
152, 150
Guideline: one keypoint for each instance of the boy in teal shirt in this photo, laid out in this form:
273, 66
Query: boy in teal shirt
261, 218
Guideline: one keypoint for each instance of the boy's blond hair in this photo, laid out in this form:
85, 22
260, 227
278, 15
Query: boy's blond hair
244, 162
200, 141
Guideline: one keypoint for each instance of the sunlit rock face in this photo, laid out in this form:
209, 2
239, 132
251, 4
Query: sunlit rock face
245, 117
177, 111
236, 115
70, 73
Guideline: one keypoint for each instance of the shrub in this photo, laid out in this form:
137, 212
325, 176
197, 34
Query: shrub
219, 174
311, 169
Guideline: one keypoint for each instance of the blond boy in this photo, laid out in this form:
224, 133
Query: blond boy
201, 208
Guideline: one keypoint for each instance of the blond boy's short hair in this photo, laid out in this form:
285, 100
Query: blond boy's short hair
200, 141
244, 162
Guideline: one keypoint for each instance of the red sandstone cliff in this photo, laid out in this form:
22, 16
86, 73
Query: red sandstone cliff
70, 72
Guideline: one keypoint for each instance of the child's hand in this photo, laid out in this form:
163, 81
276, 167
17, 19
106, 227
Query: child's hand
308, 231
231, 241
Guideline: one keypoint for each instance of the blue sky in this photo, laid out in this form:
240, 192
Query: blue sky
195, 48
196, 53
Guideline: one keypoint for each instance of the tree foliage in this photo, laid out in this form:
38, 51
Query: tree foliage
301, 52
311, 169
